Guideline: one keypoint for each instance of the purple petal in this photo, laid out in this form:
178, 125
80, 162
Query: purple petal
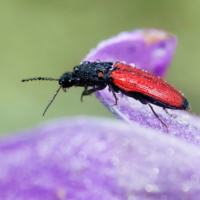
153, 51
149, 49
98, 159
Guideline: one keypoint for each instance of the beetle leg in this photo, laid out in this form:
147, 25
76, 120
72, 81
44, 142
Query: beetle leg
171, 115
83, 92
166, 111
88, 92
158, 116
113, 92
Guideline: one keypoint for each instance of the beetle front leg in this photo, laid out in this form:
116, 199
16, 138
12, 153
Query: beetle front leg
88, 92
83, 92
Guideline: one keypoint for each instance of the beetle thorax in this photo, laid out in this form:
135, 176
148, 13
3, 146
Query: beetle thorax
87, 74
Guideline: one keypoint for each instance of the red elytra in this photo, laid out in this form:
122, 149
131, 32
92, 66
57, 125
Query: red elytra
132, 79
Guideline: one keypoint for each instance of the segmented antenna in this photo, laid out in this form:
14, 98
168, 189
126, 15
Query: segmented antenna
45, 79
52, 100
40, 79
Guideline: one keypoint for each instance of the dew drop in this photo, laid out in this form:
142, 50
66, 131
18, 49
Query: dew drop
132, 65
156, 171
97, 61
115, 160
141, 82
186, 186
87, 183
85, 62
148, 187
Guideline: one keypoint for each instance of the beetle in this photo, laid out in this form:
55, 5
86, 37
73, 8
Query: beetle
121, 77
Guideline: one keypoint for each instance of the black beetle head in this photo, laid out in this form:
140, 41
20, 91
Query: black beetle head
66, 80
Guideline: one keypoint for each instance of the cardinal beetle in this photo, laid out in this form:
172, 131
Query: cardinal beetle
120, 77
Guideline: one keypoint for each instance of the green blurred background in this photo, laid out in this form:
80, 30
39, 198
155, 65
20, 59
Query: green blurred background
48, 37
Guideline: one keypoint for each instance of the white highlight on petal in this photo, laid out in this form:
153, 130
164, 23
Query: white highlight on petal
115, 160
148, 187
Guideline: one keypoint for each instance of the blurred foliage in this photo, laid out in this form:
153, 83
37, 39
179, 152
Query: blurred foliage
47, 38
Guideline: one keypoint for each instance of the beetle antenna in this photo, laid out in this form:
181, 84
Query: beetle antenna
52, 100
40, 78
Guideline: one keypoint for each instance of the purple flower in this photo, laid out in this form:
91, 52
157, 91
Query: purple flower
93, 158
153, 51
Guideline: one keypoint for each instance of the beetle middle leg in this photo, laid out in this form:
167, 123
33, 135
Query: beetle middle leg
111, 89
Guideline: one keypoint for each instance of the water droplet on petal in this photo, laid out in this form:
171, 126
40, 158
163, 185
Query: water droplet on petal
156, 171
115, 160
148, 187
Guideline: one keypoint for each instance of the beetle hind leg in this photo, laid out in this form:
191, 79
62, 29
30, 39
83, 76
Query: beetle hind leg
158, 117
171, 115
